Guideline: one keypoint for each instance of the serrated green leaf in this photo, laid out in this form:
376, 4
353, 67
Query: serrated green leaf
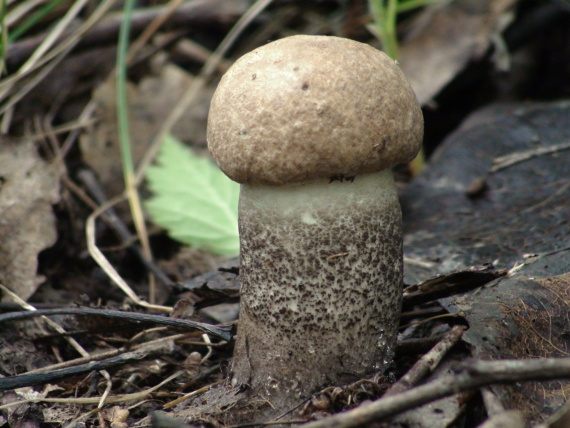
193, 200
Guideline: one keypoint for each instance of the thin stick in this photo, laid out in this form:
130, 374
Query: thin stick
427, 363
191, 394
106, 265
51, 323
503, 162
116, 352
471, 375
95, 400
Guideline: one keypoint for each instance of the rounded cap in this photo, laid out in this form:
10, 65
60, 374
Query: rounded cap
309, 107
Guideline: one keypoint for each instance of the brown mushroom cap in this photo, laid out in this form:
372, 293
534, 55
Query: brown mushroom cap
309, 107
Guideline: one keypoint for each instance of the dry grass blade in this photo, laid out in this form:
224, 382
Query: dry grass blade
152, 28
511, 159
51, 323
108, 267
70, 340
21, 10
52, 37
95, 400
29, 84
189, 96
43, 56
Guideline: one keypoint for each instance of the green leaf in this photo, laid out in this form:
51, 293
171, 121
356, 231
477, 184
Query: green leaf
193, 200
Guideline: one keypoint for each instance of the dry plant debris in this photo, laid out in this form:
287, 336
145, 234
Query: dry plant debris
445, 37
28, 189
57, 118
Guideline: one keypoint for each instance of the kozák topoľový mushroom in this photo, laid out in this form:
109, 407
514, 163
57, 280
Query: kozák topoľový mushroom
310, 126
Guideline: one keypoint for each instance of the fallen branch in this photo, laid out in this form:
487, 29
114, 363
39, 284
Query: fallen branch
470, 375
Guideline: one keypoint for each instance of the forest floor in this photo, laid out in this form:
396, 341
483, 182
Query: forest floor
486, 221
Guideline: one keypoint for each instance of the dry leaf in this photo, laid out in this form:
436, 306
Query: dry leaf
28, 188
150, 102
445, 37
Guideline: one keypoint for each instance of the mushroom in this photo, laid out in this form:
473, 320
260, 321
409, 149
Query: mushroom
310, 126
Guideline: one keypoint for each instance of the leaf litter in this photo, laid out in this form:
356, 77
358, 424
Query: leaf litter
149, 114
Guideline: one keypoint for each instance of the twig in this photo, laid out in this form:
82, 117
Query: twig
95, 400
191, 394
113, 353
427, 363
506, 419
419, 262
31, 379
32, 312
408, 316
222, 332
89, 180
107, 267
493, 404
416, 346
268, 424
498, 417
470, 375
449, 284
511, 159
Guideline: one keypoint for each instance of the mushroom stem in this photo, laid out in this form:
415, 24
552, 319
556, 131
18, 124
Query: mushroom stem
321, 283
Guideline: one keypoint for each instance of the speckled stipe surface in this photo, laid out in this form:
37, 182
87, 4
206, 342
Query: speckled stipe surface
321, 279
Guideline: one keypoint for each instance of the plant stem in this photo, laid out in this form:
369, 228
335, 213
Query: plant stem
32, 20
4, 36
384, 16
124, 133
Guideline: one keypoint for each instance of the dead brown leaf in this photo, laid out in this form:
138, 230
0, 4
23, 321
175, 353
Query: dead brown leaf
446, 36
150, 102
29, 187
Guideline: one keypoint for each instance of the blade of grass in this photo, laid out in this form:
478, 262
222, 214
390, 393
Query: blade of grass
152, 28
53, 36
102, 261
33, 20
406, 6
8, 84
4, 36
19, 11
385, 13
125, 139
23, 89
189, 96
384, 16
